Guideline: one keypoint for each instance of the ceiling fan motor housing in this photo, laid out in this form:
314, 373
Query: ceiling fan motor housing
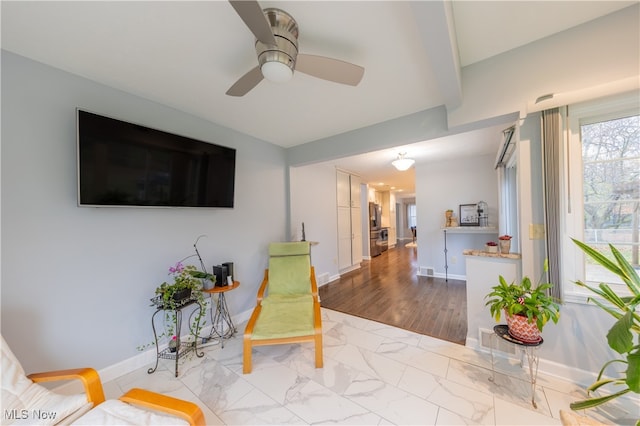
285, 31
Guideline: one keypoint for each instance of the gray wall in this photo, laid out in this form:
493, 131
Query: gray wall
445, 185
578, 341
76, 282
313, 201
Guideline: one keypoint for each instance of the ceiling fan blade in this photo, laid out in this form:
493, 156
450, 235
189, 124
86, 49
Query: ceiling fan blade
253, 16
330, 69
246, 83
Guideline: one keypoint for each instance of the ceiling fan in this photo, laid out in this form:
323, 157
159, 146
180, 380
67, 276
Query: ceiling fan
277, 47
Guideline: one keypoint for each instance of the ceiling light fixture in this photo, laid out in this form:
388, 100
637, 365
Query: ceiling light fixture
276, 72
402, 163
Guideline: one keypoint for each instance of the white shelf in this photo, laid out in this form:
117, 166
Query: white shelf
471, 230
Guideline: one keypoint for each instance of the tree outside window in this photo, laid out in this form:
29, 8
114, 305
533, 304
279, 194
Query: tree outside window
611, 189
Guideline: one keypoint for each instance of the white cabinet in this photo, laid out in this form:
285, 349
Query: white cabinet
349, 221
344, 237
354, 190
356, 236
343, 189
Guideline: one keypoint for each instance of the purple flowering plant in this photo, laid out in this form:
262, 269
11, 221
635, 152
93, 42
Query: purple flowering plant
185, 278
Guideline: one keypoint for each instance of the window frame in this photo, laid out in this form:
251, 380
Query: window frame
507, 167
572, 220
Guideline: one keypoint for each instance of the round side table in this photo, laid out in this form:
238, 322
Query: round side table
528, 349
222, 318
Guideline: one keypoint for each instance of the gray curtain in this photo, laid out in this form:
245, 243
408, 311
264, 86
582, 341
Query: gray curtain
551, 144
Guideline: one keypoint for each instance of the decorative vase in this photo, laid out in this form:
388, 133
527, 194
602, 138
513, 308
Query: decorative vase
505, 246
492, 249
448, 215
521, 329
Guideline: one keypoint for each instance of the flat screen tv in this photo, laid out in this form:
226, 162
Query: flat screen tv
124, 164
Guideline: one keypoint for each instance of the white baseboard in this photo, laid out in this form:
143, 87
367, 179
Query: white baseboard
581, 378
350, 268
143, 359
450, 276
331, 279
422, 272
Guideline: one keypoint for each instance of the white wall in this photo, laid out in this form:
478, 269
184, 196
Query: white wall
313, 201
483, 273
530, 193
598, 52
445, 185
76, 282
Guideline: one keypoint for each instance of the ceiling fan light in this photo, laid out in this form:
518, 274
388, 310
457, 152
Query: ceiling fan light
276, 72
402, 163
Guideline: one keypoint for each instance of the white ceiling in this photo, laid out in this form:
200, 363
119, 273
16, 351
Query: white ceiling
187, 54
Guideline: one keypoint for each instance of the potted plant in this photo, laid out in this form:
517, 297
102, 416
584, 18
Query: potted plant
505, 243
624, 331
492, 247
187, 284
526, 307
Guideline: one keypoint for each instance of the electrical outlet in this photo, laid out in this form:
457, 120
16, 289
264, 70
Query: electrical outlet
536, 231
454, 260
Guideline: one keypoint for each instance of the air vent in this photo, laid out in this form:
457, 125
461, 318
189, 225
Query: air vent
425, 271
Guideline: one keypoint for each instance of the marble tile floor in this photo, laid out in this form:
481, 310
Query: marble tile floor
373, 374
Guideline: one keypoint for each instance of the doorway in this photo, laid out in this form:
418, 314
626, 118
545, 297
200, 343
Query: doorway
387, 289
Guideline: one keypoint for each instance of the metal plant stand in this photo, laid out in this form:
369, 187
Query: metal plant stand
181, 349
528, 349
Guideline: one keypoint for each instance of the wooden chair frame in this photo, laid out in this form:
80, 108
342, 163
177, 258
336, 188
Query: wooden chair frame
144, 398
315, 337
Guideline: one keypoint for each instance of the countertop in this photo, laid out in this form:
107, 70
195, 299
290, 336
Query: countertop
482, 253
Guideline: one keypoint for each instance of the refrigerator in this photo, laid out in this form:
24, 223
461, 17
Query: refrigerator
375, 213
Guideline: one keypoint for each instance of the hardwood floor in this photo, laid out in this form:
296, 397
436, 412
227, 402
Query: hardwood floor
386, 289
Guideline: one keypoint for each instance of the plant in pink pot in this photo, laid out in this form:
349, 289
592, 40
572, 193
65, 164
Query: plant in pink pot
527, 307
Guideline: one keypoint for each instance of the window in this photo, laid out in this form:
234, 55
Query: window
603, 185
506, 165
411, 215
611, 182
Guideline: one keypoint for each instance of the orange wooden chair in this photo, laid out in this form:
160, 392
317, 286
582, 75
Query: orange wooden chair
23, 399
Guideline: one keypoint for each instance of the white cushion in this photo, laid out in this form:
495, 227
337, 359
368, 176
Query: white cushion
25, 402
116, 412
